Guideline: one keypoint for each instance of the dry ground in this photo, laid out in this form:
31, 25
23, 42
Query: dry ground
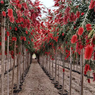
37, 82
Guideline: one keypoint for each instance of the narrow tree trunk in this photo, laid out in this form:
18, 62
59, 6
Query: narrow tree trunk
17, 71
62, 58
19, 68
23, 61
8, 65
70, 71
82, 73
52, 68
49, 65
13, 67
55, 66
3, 53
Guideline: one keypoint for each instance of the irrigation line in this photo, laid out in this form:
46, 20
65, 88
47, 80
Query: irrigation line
74, 71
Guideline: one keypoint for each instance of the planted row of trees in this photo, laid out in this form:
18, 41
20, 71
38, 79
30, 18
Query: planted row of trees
70, 29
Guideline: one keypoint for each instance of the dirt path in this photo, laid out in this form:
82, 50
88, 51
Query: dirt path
37, 82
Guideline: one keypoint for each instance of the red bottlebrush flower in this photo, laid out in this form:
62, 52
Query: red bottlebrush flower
24, 38
4, 13
10, 12
88, 80
82, 13
92, 4
14, 39
15, 28
26, 49
8, 34
63, 70
0, 43
2, 2
21, 38
26, 32
31, 33
19, 6
10, 27
28, 42
77, 14
74, 39
87, 68
88, 27
62, 34
57, 33
12, 19
31, 40
5, 38
77, 6
93, 76
88, 52
80, 31
72, 17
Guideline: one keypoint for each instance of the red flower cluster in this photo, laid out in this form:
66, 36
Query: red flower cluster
88, 52
2, 2
10, 12
15, 28
24, 38
4, 13
74, 39
62, 34
87, 68
0, 43
88, 27
26, 32
88, 80
14, 39
8, 34
63, 70
80, 31
19, 6
28, 42
77, 14
92, 4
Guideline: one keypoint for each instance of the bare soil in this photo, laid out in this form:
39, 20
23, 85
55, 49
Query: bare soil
37, 82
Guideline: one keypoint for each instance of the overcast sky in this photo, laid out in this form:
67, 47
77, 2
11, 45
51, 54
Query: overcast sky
47, 3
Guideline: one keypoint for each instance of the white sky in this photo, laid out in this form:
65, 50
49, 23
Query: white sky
47, 3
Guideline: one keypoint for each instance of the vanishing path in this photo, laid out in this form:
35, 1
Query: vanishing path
37, 82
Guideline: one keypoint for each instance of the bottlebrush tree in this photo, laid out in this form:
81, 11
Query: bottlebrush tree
72, 24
